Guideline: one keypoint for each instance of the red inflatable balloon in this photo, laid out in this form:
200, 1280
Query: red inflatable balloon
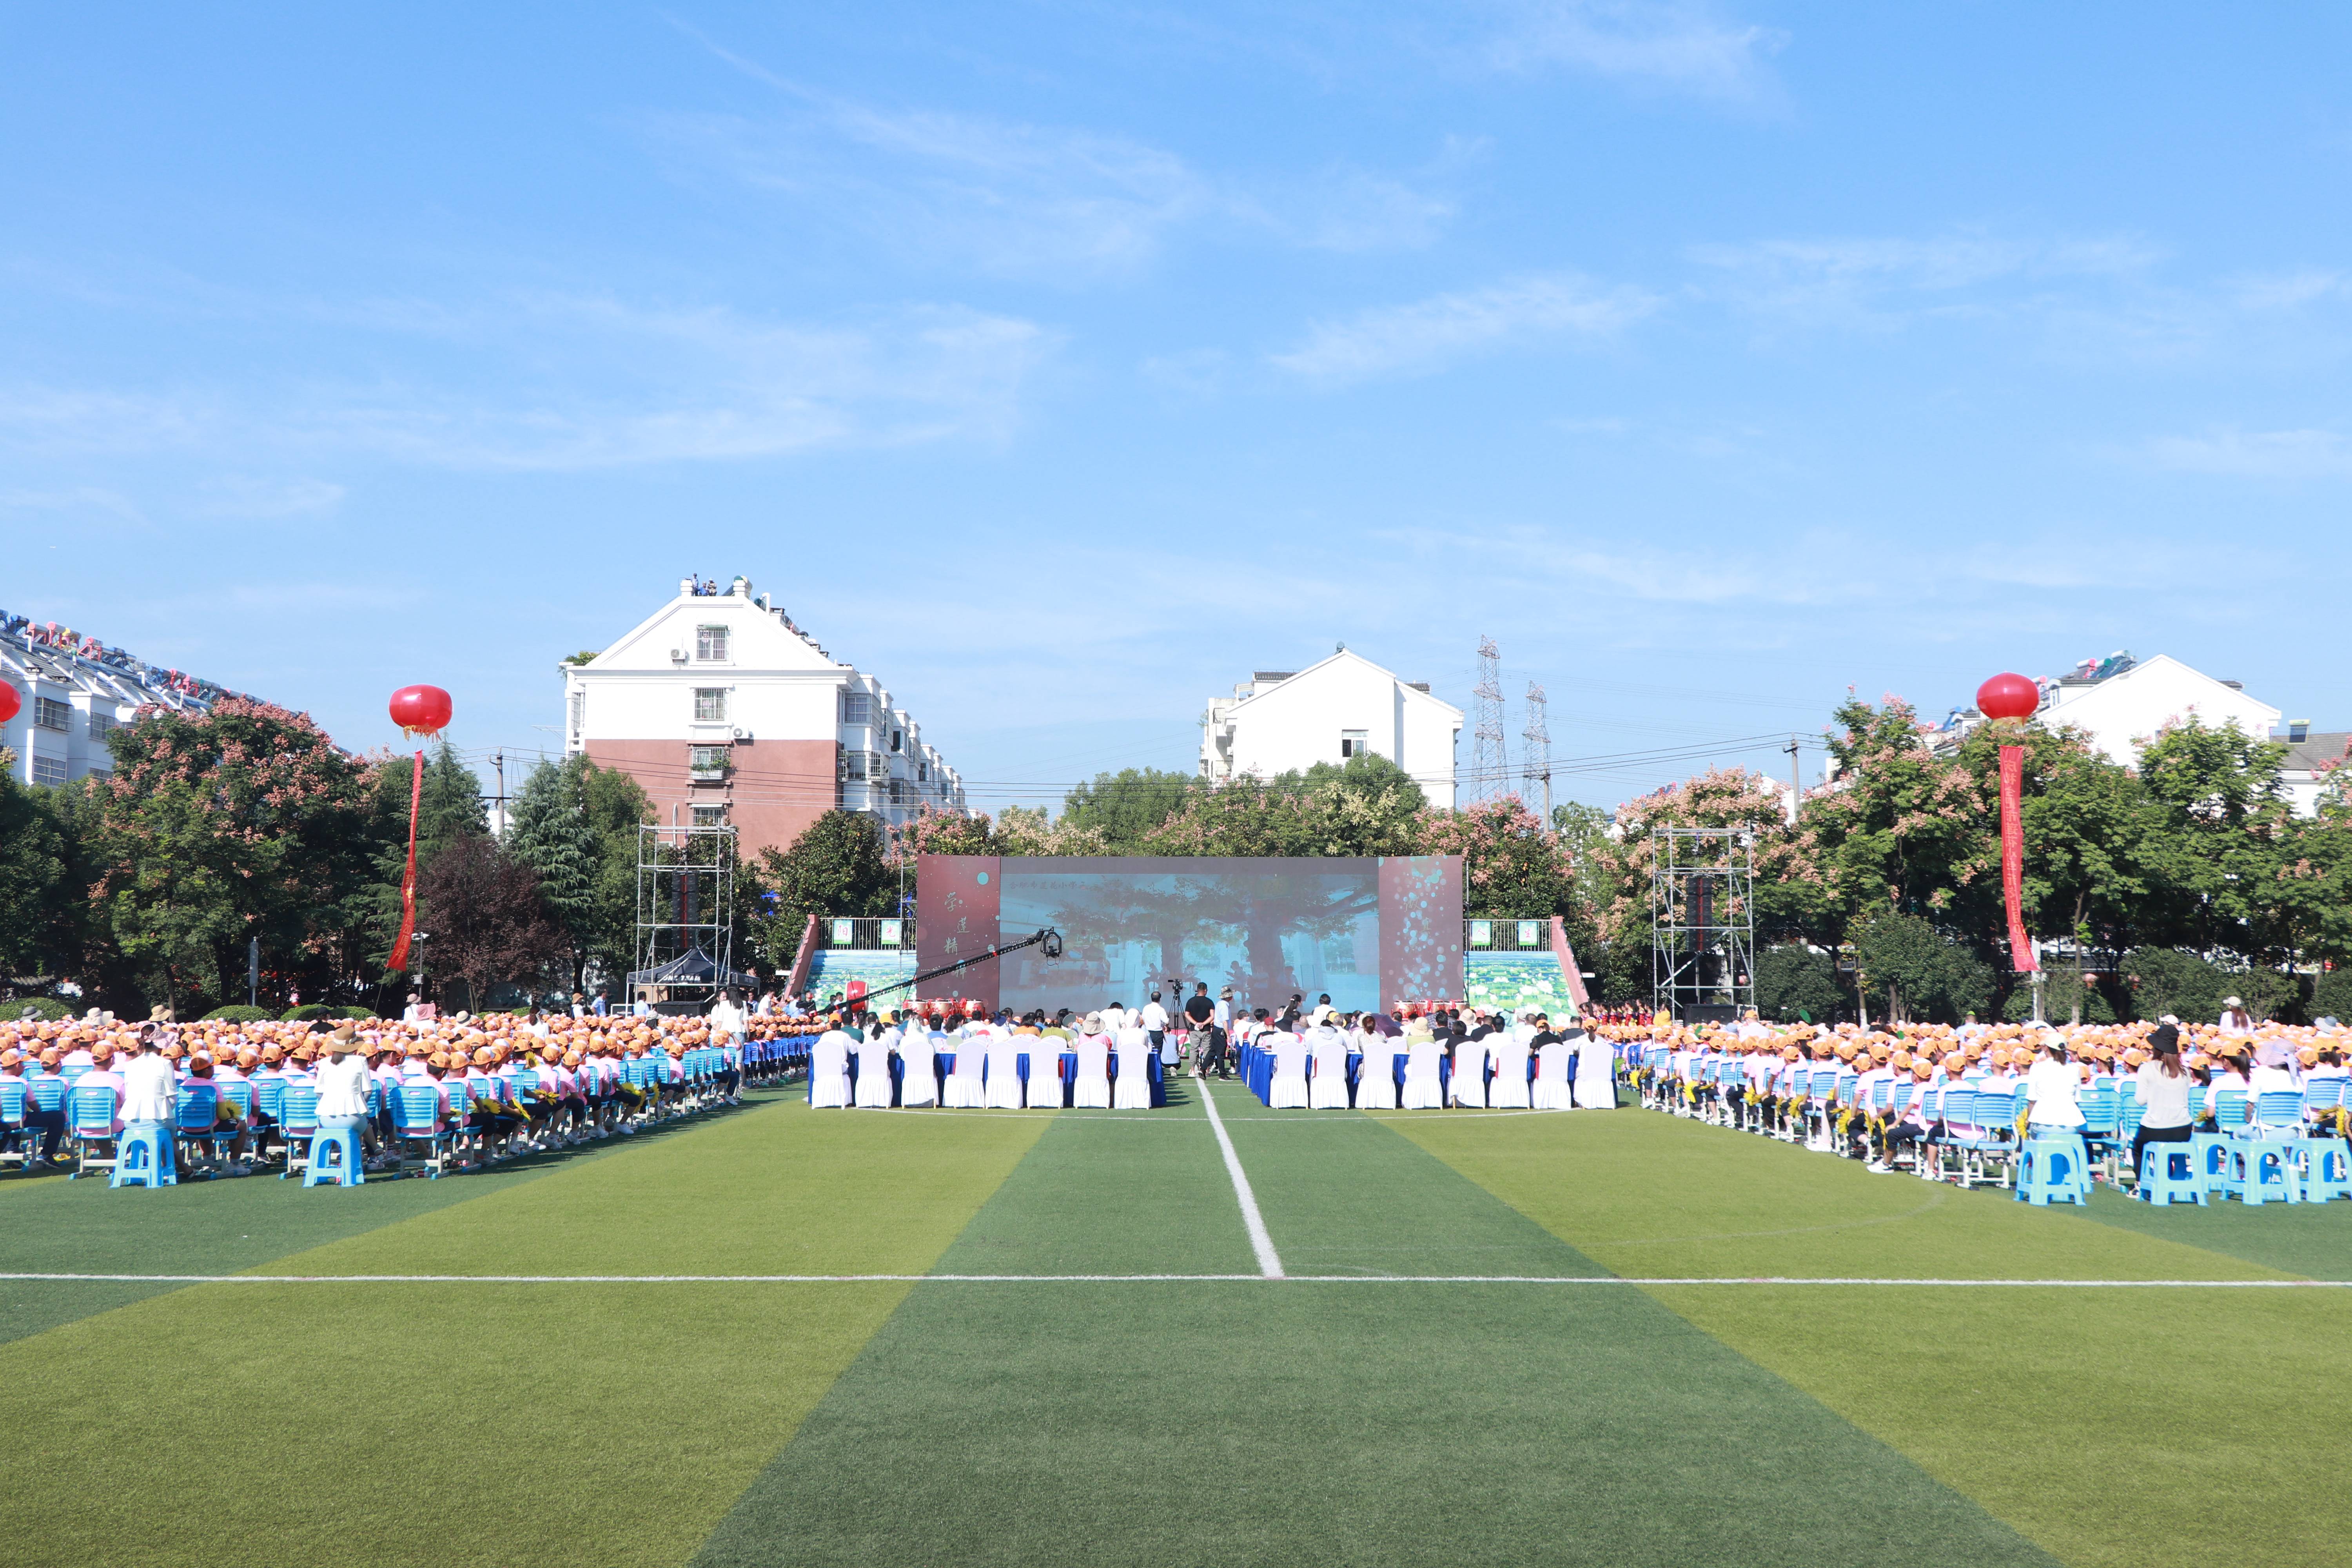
2007, 696
10, 703
420, 709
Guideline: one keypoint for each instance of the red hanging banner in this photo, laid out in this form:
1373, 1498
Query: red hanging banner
2013, 857
399, 958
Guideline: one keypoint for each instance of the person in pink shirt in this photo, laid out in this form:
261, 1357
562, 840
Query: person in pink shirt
101, 1075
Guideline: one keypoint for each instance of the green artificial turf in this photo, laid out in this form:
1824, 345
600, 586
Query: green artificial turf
2314, 1240
1255, 1422
495, 1424
2115, 1427
50, 1225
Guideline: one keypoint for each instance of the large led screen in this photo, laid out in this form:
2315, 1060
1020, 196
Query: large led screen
1366, 933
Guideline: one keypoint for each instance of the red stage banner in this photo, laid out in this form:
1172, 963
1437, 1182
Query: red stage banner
399, 958
2013, 857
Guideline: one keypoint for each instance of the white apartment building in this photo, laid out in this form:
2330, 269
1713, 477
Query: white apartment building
1280, 720
729, 714
74, 691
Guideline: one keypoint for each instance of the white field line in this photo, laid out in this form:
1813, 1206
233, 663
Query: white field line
1269, 1262
1271, 1274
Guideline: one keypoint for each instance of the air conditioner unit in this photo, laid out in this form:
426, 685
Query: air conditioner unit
742, 733
677, 656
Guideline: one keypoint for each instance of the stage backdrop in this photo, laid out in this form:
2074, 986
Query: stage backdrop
1370, 933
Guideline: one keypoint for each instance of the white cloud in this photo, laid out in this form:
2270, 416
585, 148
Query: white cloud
1687, 47
2261, 454
242, 496
1857, 281
1031, 200
629, 385
1422, 336
84, 501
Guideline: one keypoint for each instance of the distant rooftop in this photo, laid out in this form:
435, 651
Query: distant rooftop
63, 651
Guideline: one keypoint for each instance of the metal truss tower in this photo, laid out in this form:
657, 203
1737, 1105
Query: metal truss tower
1534, 757
686, 902
1703, 922
1490, 765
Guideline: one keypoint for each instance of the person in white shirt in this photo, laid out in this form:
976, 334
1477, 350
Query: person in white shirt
2235, 1019
2165, 1090
342, 1080
2049, 1086
150, 1097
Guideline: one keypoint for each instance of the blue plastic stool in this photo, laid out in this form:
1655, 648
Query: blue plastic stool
2262, 1171
142, 1157
2213, 1163
349, 1171
2053, 1166
2169, 1175
2322, 1168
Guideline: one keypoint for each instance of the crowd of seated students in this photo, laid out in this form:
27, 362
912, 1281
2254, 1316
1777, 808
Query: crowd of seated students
1874, 1094
502, 1084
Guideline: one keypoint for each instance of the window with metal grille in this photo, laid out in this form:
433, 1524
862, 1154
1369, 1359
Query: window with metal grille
1352, 743
923, 772
710, 705
52, 714
579, 711
710, 817
710, 642
705, 759
857, 708
853, 764
48, 770
103, 724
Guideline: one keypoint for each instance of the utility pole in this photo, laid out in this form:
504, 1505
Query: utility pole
1536, 760
1796, 784
499, 761
1489, 767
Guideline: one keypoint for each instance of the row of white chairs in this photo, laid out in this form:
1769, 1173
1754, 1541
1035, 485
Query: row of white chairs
986, 1074
1316, 1078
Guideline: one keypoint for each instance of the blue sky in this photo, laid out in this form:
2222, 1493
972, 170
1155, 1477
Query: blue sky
1064, 363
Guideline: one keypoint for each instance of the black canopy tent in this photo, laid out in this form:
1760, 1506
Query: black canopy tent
692, 967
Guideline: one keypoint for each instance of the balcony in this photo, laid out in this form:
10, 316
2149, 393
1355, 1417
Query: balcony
714, 774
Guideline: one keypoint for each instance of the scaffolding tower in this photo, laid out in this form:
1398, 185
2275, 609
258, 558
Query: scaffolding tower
1535, 757
1703, 922
1489, 764
685, 903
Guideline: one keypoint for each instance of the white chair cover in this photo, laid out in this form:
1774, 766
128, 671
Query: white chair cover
1596, 1075
1288, 1090
1551, 1077
874, 1071
1509, 1089
1133, 1089
1044, 1072
922, 1082
1328, 1089
1469, 1084
829, 1070
965, 1090
1376, 1087
1005, 1071
1422, 1088
1091, 1085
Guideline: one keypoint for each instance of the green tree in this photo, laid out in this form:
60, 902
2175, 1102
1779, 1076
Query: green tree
1794, 981
36, 901
549, 830
1917, 972
836, 867
1126, 806
448, 801
2218, 839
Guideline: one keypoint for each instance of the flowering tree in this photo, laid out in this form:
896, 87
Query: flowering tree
1512, 865
243, 821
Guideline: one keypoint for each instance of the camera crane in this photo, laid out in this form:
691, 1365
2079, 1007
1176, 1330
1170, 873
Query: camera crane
1048, 940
